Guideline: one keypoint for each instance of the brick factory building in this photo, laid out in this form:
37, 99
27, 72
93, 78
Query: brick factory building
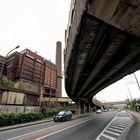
32, 72
2, 59
50, 84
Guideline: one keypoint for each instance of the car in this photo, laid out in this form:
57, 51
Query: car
62, 116
105, 110
99, 111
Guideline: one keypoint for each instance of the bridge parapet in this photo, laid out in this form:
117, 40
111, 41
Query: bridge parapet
123, 14
76, 11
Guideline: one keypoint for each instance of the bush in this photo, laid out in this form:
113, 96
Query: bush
49, 112
16, 118
6, 83
132, 105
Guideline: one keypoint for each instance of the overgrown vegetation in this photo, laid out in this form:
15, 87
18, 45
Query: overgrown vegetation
49, 112
7, 119
16, 118
134, 105
6, 83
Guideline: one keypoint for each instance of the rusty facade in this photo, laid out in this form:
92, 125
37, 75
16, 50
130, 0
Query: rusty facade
50, 79
2, 59
31, 72
31, 67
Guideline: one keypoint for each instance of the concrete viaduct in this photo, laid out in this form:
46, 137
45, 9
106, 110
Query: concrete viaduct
102, 45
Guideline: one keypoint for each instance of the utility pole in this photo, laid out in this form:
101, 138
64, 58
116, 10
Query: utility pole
137, 81
129, 93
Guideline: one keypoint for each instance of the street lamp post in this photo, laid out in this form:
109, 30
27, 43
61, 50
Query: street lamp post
137, 81
1, 71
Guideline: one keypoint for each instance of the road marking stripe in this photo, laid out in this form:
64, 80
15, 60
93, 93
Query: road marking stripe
101, 134
31, 132
114, 133
106, 136
61, 130
13, 129
94, 117
121, 124
117, 127
113, 129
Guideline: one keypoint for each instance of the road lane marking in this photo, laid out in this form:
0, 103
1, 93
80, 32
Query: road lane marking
114, 126
108, 137
116, 130
93, 117
111, 132
31, 132
13, 129
62, 130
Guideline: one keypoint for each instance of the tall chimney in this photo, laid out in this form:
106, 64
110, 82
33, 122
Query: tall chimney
59, 69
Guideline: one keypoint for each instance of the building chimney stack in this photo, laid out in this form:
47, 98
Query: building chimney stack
59, 68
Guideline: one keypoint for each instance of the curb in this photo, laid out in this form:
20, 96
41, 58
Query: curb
23, 125
4, 128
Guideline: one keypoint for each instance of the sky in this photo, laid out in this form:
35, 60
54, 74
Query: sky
126, 88
37, 25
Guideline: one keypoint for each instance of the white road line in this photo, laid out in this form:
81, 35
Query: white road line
98, 137
113, 129
106, 136
119, 124
31, 132
45, 129
114, 133
13, 129
61, 130
117, 127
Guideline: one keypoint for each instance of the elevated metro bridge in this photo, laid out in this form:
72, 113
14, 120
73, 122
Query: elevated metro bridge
102, 45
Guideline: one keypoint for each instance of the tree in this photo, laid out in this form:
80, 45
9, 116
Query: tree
6, 83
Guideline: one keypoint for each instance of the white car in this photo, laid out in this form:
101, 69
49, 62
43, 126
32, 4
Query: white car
99, 111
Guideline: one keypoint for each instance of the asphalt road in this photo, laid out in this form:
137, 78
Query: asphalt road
82, 128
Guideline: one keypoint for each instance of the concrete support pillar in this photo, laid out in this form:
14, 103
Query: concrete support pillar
84, 108
78, 108
89, 108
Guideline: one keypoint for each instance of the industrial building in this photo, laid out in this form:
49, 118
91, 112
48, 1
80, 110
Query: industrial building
30, 71
2, 59
33, 75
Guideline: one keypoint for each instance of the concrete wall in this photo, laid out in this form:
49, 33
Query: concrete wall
14, 100
26, 85
123, 14
19, 108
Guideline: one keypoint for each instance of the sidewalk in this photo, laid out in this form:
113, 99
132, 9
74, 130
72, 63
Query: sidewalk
134, 133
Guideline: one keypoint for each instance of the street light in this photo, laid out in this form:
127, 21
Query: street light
1, 71
137, 81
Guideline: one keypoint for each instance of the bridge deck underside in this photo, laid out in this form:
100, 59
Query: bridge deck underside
101, 55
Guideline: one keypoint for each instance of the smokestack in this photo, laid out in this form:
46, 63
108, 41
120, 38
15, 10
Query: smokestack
59, 68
